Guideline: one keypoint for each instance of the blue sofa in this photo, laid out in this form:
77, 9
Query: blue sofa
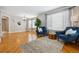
43, 32
70, 37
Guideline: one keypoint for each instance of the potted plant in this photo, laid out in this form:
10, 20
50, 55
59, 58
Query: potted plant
37, 23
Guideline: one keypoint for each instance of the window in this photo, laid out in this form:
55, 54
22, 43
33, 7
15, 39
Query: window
31, 24
49, 22
58, 21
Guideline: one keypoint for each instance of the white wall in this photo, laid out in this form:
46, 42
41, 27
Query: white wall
13, 26
42, 17
20, 28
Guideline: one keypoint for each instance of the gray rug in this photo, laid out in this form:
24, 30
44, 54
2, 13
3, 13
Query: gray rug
42, 46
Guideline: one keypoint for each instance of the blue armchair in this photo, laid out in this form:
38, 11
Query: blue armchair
70, 37
43, 32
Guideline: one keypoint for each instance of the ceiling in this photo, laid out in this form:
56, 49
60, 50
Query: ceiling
28, 11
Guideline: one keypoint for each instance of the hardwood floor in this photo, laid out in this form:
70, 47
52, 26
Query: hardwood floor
11, 42
71, 48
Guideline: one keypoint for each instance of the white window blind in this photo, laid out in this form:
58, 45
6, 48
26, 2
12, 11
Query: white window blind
58, 21
49, 22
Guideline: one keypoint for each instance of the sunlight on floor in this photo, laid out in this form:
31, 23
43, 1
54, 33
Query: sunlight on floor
31, 37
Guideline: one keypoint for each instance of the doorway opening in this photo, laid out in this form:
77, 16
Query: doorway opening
5, 24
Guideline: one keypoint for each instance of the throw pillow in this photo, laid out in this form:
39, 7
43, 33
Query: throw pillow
70, 31
40, 29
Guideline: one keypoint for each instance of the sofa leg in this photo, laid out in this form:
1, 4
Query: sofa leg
77, 42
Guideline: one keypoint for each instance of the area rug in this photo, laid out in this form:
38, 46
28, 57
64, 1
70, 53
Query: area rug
42, 46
